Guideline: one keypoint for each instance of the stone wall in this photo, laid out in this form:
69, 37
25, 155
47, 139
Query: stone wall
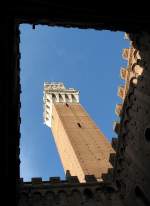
70, 14
68, 192
131, 165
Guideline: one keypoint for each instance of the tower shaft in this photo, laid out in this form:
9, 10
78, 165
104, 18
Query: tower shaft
82, 147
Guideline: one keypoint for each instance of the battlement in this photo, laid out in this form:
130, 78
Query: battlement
54, 86
56, 180
56, 191
56, 92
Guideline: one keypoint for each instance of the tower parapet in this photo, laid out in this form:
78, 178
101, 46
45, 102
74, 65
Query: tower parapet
57, 92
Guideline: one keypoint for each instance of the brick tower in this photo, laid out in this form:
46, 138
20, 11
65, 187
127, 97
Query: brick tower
82, 147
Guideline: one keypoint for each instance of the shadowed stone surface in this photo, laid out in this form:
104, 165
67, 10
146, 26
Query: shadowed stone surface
132, 158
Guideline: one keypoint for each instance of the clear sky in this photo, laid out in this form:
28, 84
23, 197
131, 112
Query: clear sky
87, 60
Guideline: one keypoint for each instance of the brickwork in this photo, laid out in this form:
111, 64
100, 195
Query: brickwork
83, 148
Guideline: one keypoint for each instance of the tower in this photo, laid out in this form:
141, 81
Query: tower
82, 147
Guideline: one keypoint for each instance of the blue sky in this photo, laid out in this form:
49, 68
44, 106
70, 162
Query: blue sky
87, 60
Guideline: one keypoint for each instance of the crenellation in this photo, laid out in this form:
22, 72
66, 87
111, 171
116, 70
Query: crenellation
90, 178
125, 53
121, 92
132, 157
116, 127
92, 192
114, 143
36, 180
71, 179
107, 177
112, 158
54, 180
118, 109
124, 73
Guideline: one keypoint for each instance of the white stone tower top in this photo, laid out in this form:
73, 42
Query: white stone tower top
57, 92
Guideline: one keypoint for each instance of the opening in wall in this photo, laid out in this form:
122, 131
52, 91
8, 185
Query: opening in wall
147, 134
87, 60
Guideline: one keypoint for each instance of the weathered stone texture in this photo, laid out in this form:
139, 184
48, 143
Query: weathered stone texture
68, 193
89, 15
131, 167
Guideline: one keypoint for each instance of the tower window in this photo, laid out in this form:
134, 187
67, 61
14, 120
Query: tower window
79, 125
67, 105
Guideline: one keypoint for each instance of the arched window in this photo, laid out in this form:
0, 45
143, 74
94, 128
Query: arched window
60, 98
67, 98
54, 97
73, 98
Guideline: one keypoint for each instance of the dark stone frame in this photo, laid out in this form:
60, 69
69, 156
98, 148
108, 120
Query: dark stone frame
45, 13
